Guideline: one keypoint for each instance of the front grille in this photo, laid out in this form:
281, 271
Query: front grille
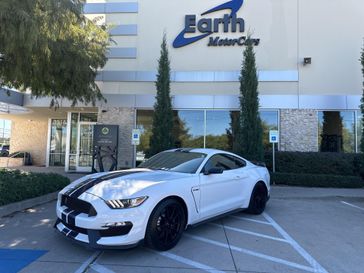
110, 232
74, 228
78, 205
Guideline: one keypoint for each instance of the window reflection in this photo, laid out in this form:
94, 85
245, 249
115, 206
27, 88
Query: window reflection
88, 117
359, 129
144, 122
189, 129
57, 151
218, 130
269, 122
337, 131
76, 156
5, 131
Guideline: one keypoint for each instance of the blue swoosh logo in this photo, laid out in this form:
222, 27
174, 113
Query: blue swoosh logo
233, 5
181, 41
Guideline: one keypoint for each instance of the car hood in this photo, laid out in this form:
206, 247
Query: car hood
129, 183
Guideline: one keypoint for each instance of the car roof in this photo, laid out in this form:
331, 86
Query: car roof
207, 151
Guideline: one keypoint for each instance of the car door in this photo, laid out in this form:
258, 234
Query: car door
221, 192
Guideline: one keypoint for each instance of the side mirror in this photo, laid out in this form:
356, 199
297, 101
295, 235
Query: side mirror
214, 171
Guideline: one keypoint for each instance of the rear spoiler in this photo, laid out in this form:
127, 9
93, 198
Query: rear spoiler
259, 163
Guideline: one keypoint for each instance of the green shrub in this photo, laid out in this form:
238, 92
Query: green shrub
317, 180
317, 163
17, 186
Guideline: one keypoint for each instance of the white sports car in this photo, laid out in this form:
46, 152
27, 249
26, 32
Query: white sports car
158, 200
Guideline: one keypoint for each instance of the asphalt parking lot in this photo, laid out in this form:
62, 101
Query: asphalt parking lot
302, 230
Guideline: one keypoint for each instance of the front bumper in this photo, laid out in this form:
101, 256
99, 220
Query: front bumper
90, 238
89, 228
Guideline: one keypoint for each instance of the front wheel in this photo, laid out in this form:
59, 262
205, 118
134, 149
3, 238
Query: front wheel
165, 225
258, 199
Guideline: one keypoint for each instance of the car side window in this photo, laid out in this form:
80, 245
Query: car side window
226, 162
239, 163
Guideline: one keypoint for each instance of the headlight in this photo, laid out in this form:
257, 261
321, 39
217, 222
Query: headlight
126, 203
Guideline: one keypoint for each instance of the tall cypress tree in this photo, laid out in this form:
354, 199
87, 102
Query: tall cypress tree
250, 133
162, 137
362, 104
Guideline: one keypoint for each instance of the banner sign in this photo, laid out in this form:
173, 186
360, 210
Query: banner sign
105, 144
106, 135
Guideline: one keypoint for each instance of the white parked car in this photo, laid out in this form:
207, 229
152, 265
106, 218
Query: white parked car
158, 200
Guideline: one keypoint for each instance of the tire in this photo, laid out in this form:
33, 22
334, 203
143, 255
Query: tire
166, 225
258, 199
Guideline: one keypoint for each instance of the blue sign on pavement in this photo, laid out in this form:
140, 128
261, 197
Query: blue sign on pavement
14, 260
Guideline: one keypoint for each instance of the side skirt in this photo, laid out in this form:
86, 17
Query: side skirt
215, 218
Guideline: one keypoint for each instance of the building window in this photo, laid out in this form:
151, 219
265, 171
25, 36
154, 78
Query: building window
144, 122
88, 117
189, 128
269, 122
337, 131
57, 149
359, 128
80, 155
218, 130
5, 131
201, 128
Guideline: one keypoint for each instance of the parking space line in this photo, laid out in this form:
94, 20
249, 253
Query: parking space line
89, 261
296, 246
253, 253
189, 262
250, 219
351, 205
250, 233
101, 269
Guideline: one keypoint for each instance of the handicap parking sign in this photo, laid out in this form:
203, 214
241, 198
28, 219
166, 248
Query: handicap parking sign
273, 136
135, 138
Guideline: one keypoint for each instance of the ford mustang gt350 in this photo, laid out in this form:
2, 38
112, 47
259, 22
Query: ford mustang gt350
157, 201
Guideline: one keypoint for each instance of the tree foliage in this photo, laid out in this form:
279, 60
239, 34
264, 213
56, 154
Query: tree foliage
250, 130
50, 48
233, 133
162, 137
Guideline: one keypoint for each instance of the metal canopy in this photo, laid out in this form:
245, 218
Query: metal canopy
11, 102
14, 97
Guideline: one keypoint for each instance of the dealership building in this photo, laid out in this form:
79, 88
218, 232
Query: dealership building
307, 54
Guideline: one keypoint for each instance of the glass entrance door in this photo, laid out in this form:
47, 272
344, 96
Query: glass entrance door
84, 147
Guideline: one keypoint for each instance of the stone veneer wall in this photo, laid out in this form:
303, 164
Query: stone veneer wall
30, 136
125, 118
299, 130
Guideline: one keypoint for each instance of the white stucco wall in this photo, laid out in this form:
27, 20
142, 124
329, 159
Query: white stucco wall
329, 31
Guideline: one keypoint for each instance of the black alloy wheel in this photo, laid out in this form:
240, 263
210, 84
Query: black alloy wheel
165, 225
258, 199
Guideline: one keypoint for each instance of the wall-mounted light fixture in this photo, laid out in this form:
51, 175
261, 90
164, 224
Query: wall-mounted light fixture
307, 60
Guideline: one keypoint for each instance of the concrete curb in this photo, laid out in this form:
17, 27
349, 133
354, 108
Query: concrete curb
26, 204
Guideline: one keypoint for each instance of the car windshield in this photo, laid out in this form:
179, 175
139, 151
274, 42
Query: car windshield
183, 162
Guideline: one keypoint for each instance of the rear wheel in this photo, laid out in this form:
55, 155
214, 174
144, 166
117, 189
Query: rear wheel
165, 225
258, 199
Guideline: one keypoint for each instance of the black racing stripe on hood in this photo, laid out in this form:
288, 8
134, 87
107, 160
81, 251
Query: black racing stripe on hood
69, 192
89, 183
